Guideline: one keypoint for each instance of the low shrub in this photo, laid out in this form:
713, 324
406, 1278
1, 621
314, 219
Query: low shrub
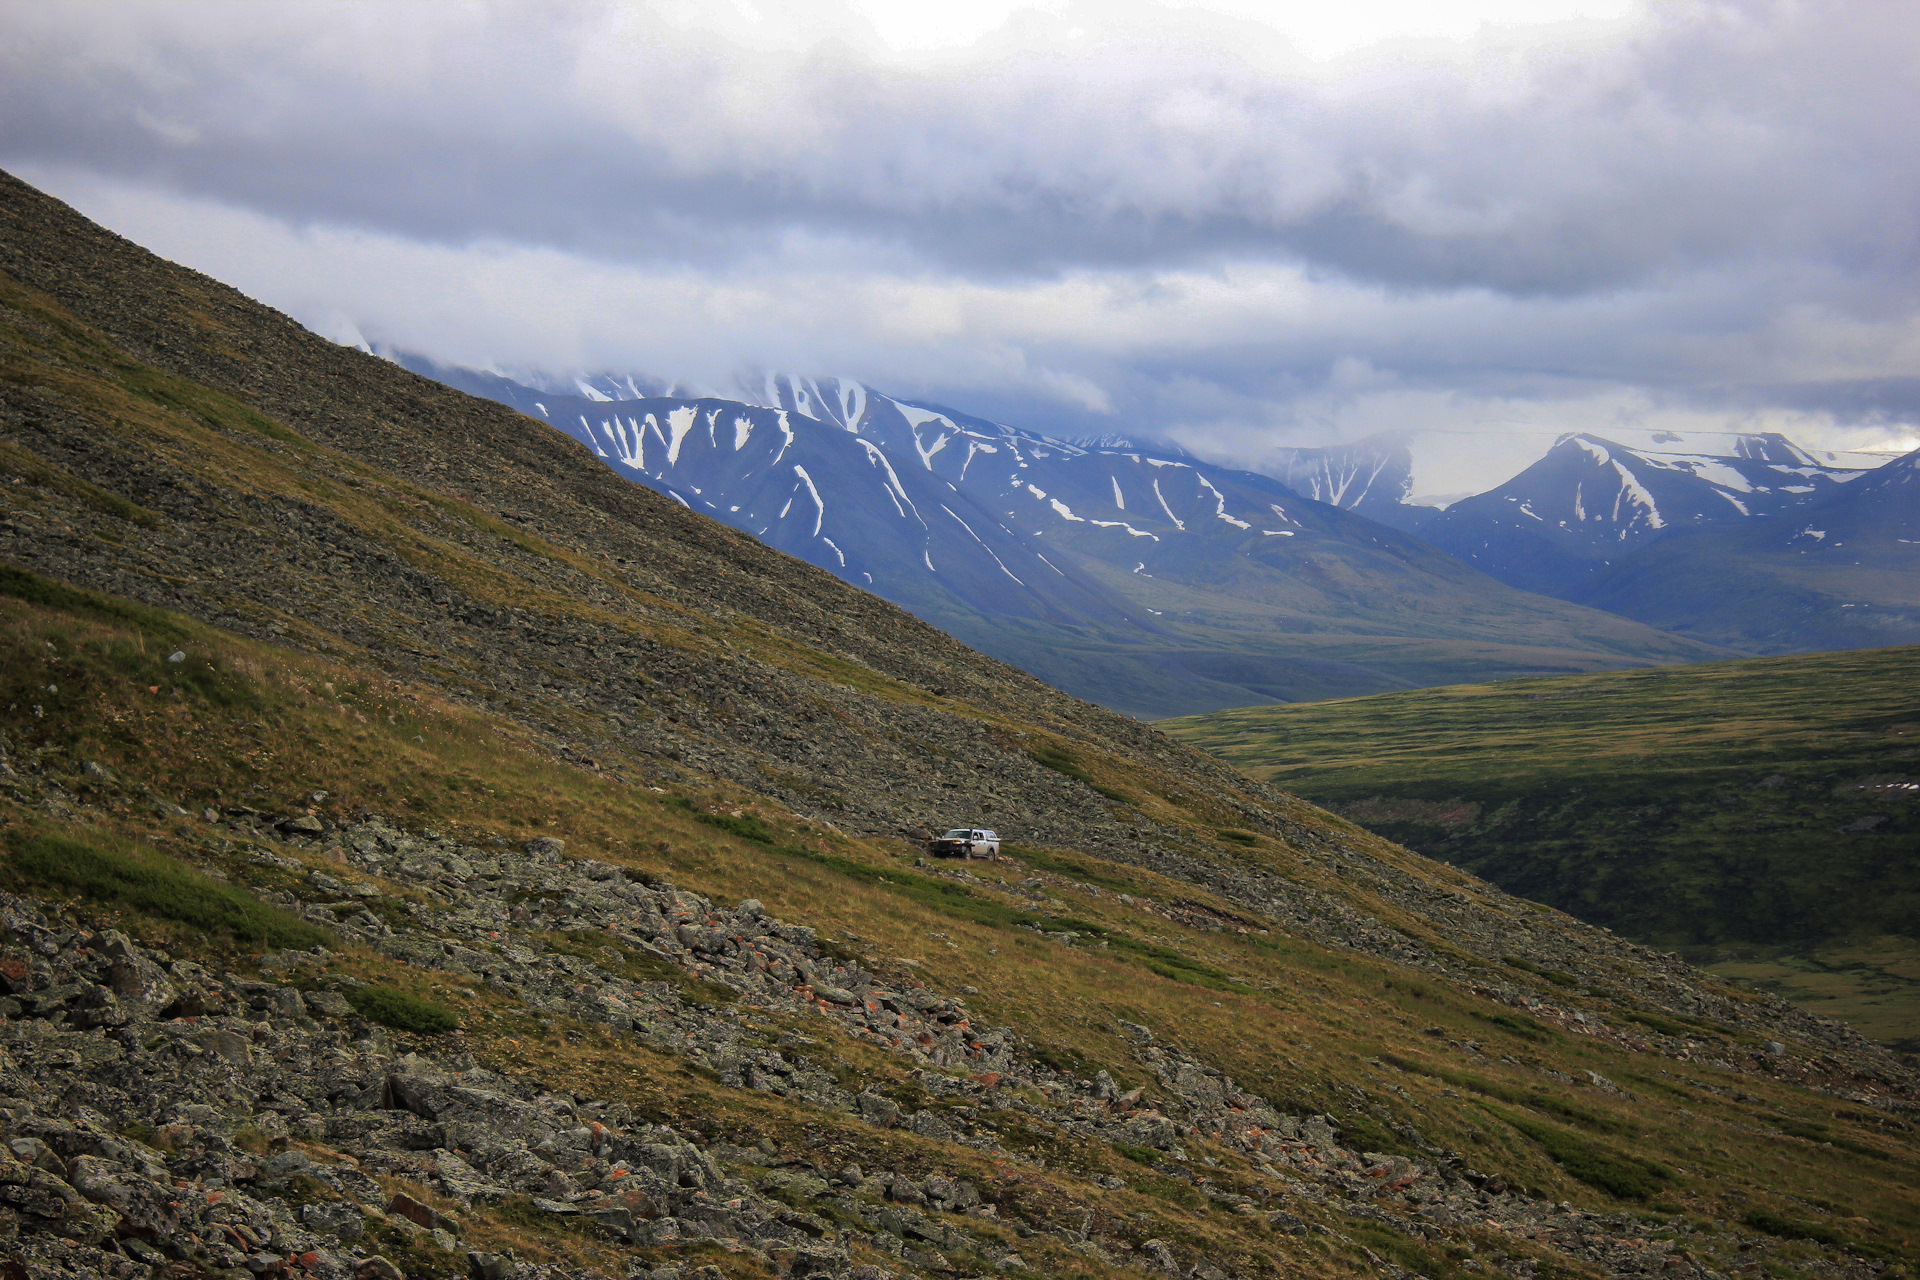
392, 1007
1554, 976
157, 886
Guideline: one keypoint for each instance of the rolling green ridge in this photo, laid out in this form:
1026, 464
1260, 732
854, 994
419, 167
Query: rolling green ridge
1757, 814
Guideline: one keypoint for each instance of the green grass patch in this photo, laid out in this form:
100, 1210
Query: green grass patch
1139, 1155
744, 827
116, 667
1422, 1260
392, 1007
1792, 1229
1237, 837
153, 885
960, 902
1554, 976
1516, 1024
1538, 1099
1815, 1132
35, 470
1798, 1229
1067, 864
1671, 1026
1062, 761
1621, 1176
605, 950
23, 584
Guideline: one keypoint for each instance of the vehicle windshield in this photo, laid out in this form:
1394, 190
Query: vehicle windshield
958, 833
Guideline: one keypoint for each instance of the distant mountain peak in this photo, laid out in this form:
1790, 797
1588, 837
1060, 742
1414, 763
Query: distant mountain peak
1372, 476
1771, 446
1590, 499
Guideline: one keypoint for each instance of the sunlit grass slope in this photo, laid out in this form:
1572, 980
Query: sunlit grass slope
1315, 1029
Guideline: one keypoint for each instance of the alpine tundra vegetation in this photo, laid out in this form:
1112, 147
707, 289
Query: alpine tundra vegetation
429, 854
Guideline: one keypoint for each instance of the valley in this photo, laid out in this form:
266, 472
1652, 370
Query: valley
1759, 816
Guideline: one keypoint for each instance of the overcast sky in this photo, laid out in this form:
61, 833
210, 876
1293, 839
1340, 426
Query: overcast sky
1234, 223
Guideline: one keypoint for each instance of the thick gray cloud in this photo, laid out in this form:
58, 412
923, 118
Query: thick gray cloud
1150, 216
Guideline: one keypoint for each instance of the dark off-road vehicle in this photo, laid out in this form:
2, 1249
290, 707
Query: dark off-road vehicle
966, 842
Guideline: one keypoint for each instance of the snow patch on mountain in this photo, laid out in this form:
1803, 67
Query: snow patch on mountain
820, 507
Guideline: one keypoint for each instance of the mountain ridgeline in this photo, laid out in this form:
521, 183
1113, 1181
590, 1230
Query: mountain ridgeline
1766, 550
1147, 581
426, 853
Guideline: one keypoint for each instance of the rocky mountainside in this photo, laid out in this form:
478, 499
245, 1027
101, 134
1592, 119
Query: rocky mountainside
1559, 525
430, 854
1144, 580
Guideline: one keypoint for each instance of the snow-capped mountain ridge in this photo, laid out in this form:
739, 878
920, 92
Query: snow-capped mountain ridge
1591, 500
1838, 570
1158, 584
862, 483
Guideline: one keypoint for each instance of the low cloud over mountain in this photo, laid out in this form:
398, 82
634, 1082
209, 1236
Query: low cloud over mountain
1696, 217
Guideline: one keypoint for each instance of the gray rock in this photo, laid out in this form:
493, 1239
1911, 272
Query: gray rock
328, 1004
877, 1110
928, 1125
235, 1049
1157, 1255
338, 1219
285, 1164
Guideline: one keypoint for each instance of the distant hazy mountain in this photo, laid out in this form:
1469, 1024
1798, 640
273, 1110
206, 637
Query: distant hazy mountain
1373, 477
1145, 580
1587, 504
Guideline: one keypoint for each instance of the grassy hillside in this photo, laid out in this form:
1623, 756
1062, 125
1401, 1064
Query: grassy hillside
1760, 814
1411, 1065
295, 645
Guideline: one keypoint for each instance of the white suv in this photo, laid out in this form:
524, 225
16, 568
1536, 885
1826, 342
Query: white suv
967, 842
